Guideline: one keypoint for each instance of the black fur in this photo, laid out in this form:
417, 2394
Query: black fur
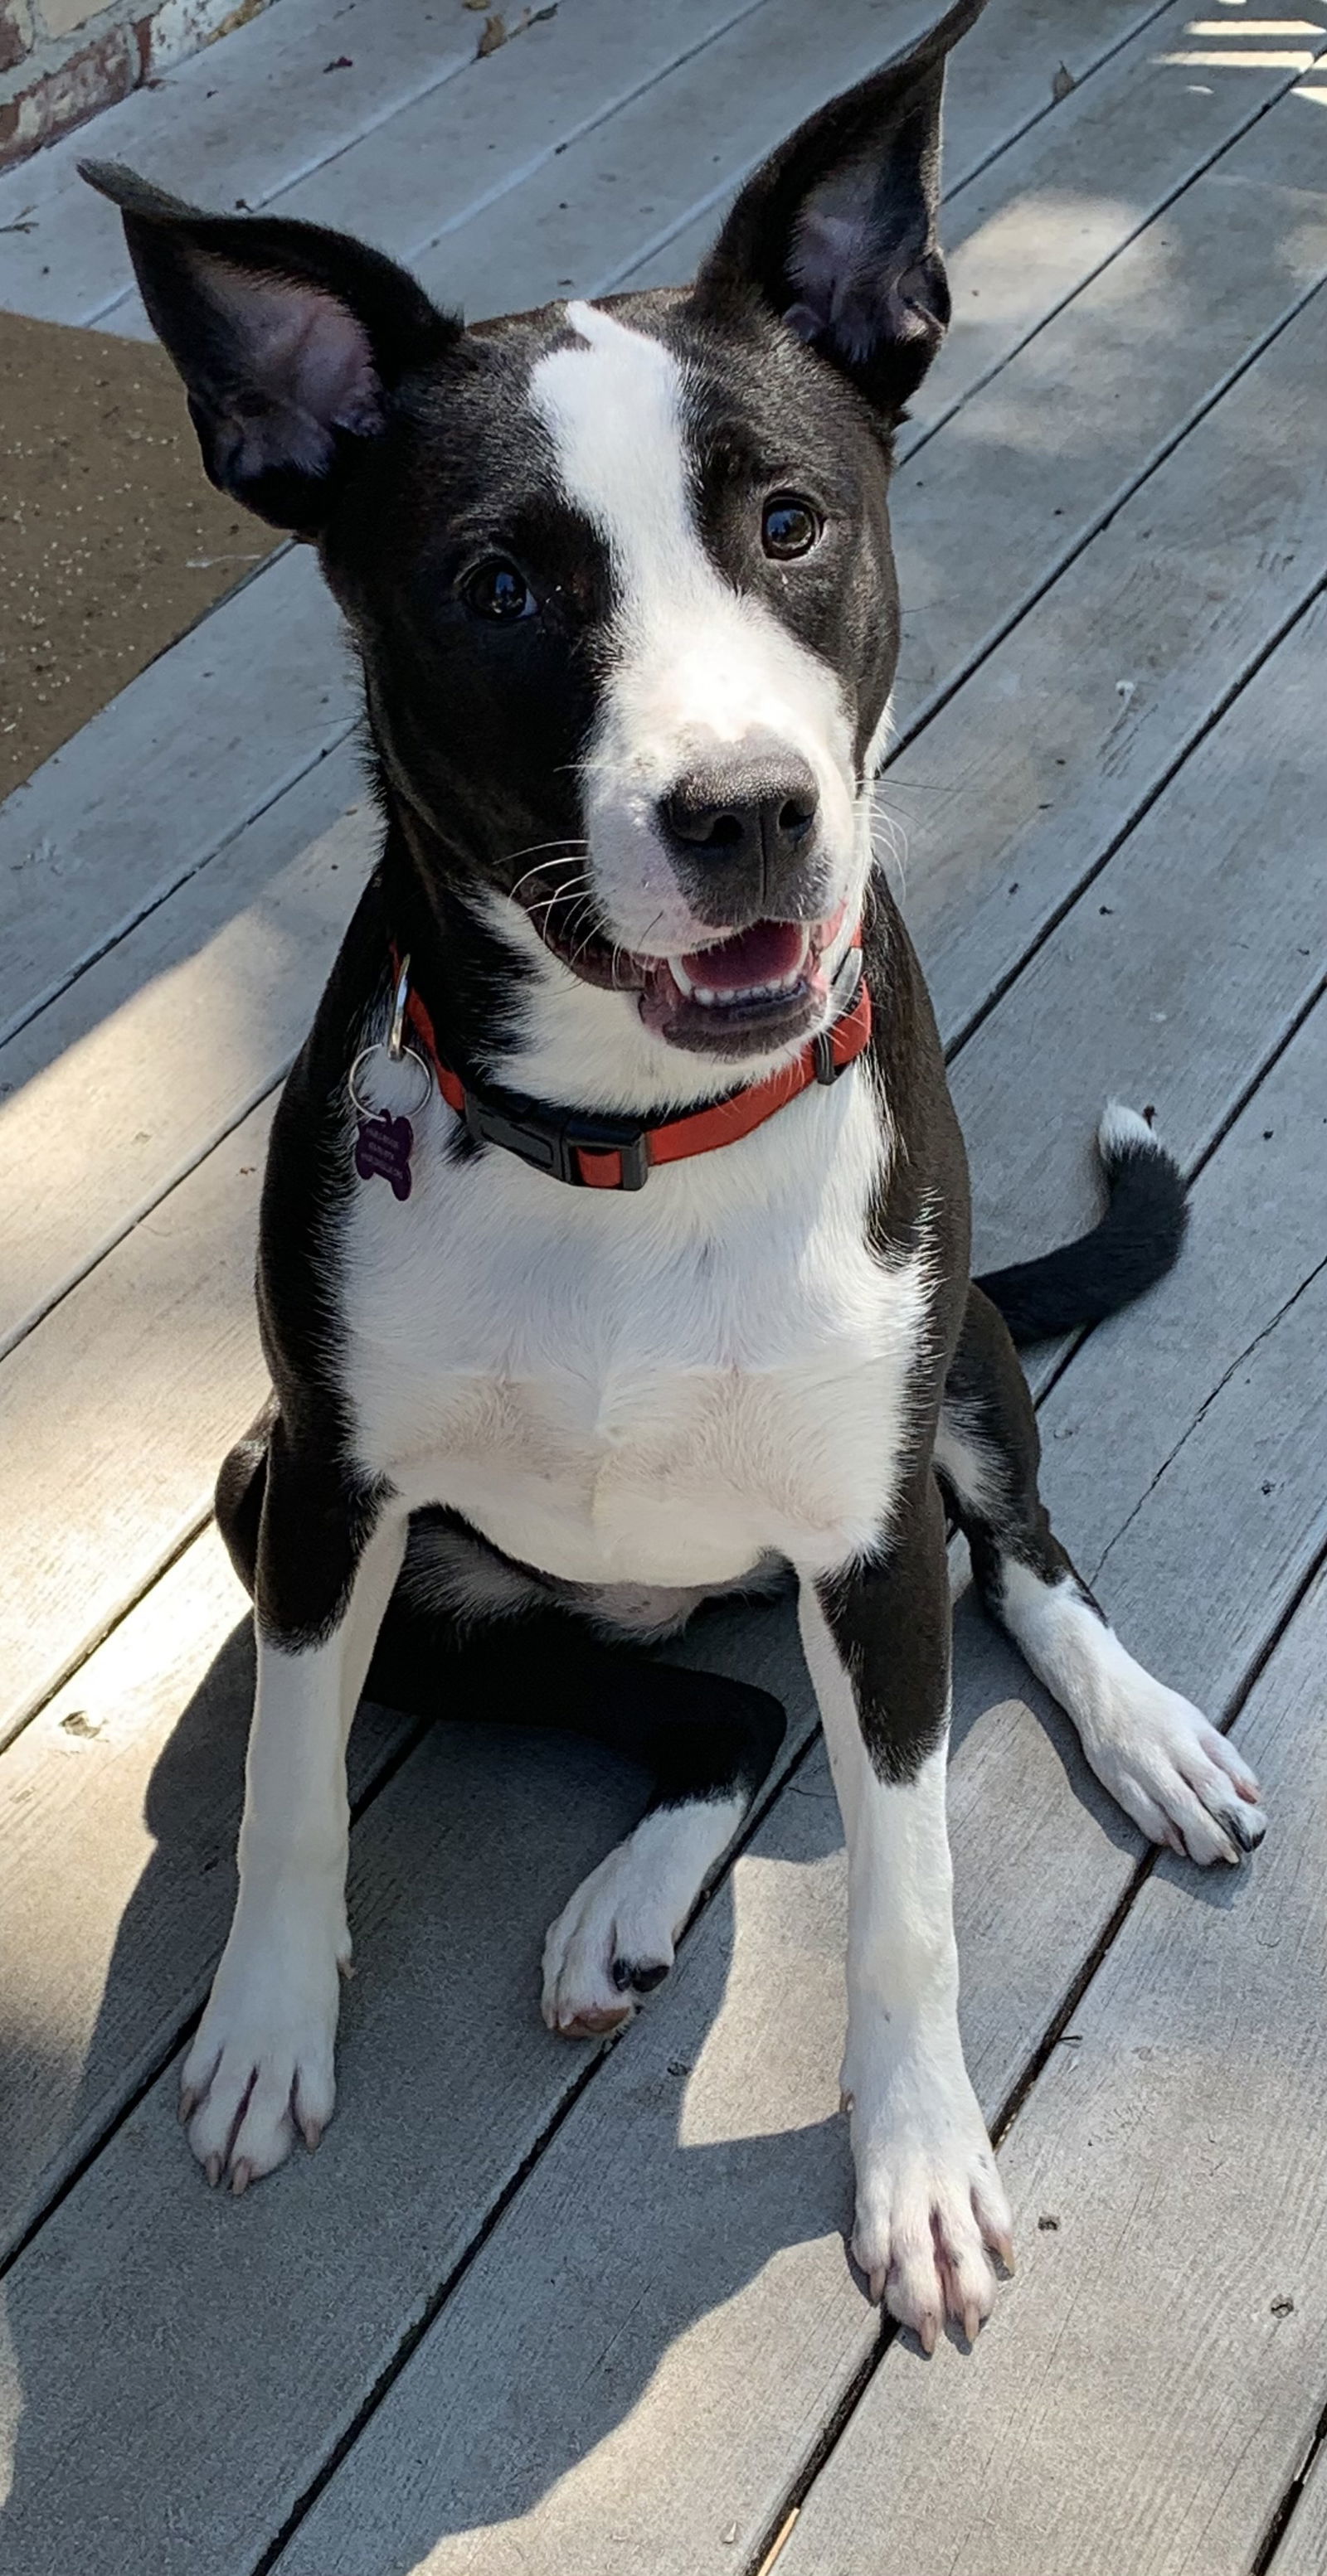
1131, 1247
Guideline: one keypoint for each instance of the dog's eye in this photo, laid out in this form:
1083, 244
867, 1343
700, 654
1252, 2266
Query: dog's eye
496, 590
789, 526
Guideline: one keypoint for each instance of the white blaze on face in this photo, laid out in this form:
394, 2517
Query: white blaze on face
697, 668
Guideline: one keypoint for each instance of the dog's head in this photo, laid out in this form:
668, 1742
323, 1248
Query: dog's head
620, 573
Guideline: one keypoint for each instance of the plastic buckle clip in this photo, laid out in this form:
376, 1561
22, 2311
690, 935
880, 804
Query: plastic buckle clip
552, 1141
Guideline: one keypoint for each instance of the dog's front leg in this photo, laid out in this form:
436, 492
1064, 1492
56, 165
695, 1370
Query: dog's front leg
929, 2199
262, 2062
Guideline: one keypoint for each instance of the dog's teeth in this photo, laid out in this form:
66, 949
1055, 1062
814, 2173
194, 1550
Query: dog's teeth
705, 994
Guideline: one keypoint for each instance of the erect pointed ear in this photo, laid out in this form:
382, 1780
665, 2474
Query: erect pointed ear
290, 340
836, 231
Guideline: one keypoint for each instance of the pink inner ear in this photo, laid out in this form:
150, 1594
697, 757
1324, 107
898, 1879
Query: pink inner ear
827, 252
849, 285
306, 353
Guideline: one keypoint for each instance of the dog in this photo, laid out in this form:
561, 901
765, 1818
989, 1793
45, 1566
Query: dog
615, 1237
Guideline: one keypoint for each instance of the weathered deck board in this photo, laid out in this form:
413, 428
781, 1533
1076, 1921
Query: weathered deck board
1099, 392
627, 2278
120, 816
126, 1790
677, 256
1157, 1016
374, 145
1302, 2550
202, 742
422, 188
1066, 733
247, 124
610, 199
1179, 2146
116, 1412
455, 2063
239, 954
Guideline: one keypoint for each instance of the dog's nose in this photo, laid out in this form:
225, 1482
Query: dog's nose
760, 810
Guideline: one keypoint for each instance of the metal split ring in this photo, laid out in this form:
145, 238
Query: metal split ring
395, 1050
365, 1107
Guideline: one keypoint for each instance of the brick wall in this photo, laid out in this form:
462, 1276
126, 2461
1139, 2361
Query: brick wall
60, 60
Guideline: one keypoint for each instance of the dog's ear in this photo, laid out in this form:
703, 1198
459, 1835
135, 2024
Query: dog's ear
290, 341
836, 231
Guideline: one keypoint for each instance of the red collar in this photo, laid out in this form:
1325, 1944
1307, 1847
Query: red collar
598, 1153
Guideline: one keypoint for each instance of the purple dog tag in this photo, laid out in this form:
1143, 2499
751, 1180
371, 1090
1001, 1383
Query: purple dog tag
383, 1146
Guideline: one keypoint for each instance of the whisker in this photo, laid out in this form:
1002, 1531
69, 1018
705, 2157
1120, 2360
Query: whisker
578, 846
564, 894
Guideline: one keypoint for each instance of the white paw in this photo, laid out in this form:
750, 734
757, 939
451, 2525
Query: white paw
616, 1938
1180, 1780
262, 2063
929, 2199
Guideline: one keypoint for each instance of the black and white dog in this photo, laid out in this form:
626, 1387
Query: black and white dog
615, 1230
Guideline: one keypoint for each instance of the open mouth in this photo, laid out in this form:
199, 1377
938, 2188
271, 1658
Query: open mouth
752, 989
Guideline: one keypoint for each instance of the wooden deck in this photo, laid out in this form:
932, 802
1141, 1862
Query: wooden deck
581, 2312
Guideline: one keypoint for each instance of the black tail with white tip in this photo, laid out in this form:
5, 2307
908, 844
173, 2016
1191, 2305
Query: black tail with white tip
1133, 1245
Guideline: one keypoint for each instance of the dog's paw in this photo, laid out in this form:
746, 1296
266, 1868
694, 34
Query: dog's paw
610, 1945
931, 2207
261, 2068
1180, 1780
615, 1941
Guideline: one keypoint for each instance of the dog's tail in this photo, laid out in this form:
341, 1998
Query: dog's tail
1132, 1246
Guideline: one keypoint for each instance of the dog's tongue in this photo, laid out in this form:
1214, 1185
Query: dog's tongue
764, 954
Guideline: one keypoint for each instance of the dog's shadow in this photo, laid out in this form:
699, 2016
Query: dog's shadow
558, 2223
250, 2332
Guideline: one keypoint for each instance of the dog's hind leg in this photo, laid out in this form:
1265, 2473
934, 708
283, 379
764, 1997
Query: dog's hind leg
1180, 1780
707, 1741
241, 1486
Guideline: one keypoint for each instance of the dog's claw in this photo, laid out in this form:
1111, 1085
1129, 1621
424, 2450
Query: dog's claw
1003, 2248
213, 2171
875, 2287
971, 2321
312, 2133
928, 2332
241, 2177
188, 2105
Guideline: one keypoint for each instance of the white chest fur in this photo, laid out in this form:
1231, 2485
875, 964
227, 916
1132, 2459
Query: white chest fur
655, 1388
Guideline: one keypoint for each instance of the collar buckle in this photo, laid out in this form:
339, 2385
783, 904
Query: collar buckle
553, 1140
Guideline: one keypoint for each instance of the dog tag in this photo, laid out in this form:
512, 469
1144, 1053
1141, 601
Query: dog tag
383, 1146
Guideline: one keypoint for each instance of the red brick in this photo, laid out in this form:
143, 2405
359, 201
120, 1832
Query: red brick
15, 33
104, 72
